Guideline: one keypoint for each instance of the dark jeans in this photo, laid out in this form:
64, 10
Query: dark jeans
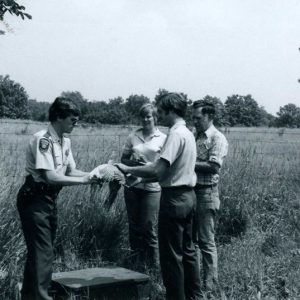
38, 216
142, 211
178, 257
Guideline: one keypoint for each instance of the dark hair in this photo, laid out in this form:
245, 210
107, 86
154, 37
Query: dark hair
173, 102
146, 108
207, 107
62, 108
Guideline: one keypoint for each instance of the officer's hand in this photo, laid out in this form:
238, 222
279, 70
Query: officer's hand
123, 168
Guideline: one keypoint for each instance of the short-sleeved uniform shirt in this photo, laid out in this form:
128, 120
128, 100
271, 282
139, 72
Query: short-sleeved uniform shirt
150, 149
212, 146
180, 152
46, 151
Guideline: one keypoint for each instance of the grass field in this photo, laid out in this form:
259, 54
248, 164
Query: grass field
258, 227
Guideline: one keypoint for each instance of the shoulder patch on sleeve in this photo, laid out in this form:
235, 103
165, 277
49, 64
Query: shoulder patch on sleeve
44, 144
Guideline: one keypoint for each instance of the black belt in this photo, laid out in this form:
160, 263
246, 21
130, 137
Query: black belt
41, 187
204, 186
179, 187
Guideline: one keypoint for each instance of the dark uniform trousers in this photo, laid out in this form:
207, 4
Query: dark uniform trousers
36, 203
178, 257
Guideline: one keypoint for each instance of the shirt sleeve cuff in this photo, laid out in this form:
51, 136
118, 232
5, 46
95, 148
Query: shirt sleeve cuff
216, 160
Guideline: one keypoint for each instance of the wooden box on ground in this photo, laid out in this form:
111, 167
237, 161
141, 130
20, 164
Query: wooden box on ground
113, 283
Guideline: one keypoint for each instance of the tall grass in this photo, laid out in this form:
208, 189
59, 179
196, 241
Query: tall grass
258, 226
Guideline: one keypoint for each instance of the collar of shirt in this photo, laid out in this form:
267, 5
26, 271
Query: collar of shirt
180, 122
54, 135
209, 132
139, 133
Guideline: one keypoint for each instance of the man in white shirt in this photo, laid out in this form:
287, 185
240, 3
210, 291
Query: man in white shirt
175, 173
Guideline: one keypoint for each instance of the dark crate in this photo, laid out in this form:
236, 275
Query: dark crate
100, 284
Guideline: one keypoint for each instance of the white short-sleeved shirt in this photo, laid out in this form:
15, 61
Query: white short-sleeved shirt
46, 151
136, 145
180, 152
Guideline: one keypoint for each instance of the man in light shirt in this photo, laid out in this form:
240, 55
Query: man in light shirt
212, 147
176, 175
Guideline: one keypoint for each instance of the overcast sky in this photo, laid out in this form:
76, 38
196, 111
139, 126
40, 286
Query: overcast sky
106, 49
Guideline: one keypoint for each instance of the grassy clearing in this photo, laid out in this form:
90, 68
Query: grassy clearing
258, 231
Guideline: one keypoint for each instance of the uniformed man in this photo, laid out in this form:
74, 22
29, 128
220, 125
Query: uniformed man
176, 175
212, 147
50, 166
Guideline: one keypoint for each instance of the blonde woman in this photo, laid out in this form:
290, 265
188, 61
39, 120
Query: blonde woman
142, 200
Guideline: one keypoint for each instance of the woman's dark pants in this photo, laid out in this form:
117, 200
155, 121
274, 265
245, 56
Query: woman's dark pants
142, 211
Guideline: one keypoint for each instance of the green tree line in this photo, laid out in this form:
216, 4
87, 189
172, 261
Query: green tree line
237, 110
